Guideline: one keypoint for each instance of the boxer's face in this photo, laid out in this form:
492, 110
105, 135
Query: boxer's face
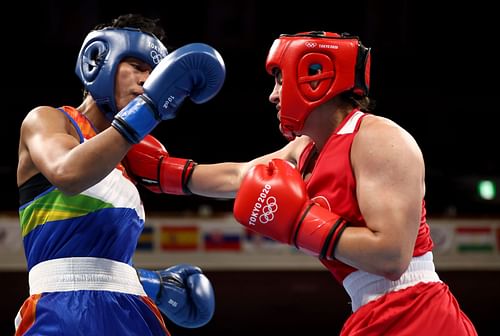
275, 96
130, 76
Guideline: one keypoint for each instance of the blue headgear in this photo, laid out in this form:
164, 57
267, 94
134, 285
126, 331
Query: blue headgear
100, 55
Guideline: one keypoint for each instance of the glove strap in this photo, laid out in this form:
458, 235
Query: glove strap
328, 250
318, 231
136, 120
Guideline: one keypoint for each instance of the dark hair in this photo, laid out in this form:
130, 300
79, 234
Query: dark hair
364, 103
145, 24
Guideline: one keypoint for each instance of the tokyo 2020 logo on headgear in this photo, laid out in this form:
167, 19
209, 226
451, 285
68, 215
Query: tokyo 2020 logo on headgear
335, 62
100, 55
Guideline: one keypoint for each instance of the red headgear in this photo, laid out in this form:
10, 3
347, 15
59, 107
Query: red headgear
337, 62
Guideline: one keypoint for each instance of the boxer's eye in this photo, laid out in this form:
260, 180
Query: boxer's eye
139, 65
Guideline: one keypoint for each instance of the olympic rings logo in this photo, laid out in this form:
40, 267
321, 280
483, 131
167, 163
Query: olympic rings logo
269, 210
310, 44
264, 208
156, 56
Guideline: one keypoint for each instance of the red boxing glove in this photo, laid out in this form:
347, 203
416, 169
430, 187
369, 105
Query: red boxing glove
272, 200
150, 165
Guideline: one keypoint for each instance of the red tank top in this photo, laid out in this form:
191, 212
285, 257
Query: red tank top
332, 185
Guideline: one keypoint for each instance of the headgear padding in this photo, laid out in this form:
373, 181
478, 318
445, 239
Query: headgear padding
337, 63
100, 55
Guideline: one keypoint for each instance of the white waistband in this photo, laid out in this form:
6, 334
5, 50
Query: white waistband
364, 287
84, 273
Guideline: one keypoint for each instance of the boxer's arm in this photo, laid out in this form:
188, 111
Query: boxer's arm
223, 180
50, 146
389, 171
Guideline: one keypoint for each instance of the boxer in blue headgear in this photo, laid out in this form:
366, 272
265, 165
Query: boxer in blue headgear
101, 53
81, 213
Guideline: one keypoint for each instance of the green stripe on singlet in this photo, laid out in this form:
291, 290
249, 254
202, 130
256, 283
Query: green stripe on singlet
56, 206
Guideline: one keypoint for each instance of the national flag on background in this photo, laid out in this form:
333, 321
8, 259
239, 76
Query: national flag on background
179, 238
145, 242
218, 240
474, 239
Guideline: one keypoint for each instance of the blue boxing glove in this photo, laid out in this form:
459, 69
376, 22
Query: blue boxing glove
182, 293
195, 70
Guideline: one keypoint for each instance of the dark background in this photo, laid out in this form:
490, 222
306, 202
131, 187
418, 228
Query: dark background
434, 71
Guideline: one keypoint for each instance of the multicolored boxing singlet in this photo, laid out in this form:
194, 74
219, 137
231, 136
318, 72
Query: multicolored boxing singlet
79, 253
416, 304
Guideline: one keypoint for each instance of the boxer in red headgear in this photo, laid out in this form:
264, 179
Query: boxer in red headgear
348, 189
336, 63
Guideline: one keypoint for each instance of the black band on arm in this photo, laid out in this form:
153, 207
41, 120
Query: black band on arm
186, 176
340, 230
125, 130
332, 239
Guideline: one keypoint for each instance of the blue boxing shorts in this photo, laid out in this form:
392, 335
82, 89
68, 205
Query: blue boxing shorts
87, 296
